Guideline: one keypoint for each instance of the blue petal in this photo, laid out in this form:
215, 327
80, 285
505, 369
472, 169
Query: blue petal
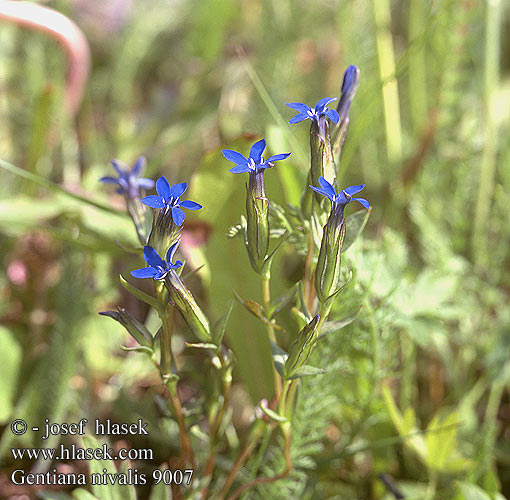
257, 149
119, 167
178, 216
109, 180
298, 106
234, 156
163, 188
145, 272
298, 118
151, 257
278, 157
190, 205
145, 183
171, 252
240, 169
139, 166
333, 115
363, 202
177, 190
153, 201
354, 189
322, 103
175, 265
327, 187
323, 192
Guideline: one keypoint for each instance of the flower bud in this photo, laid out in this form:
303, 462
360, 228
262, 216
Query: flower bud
136, 329
257, 218
349, 87
187, 306
301, 348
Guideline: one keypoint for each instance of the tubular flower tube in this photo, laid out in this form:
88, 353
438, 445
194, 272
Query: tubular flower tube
301, 348
328, 264
257, 204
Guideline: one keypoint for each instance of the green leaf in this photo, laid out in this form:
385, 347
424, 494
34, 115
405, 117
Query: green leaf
335, 326
81, 494
471, 492
144, 297
441, 440
256, 309
220, 326
55, 495
355, 224
106, 491
10, 361
161, 491
202, 345
279, 358
307, 371
272, 414
281, 302
42, 181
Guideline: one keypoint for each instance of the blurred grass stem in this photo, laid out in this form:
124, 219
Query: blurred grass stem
387, 70
486, 180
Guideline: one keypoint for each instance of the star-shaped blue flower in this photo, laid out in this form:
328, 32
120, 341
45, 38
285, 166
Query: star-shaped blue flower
321, 109
341, 198
129, 181
157, 267
169, 198
255, 160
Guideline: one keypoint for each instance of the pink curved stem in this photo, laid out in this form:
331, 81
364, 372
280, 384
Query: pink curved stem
65, 32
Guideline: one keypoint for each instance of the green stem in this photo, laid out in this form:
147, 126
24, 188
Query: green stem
266, 302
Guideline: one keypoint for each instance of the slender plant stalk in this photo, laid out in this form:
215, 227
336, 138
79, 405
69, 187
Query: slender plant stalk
488, 167
227, 385
266, 301
186, 452
387, 69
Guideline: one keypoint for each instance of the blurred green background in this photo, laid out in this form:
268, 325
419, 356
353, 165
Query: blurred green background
177, 80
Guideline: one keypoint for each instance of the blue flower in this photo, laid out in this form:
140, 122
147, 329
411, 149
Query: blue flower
128, 181
255, 161
320, 109
157, 267
343, 197
169, 198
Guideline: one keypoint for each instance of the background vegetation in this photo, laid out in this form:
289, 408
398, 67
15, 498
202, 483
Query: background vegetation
416, 394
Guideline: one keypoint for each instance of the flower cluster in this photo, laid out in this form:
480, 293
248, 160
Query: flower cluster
159, 233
